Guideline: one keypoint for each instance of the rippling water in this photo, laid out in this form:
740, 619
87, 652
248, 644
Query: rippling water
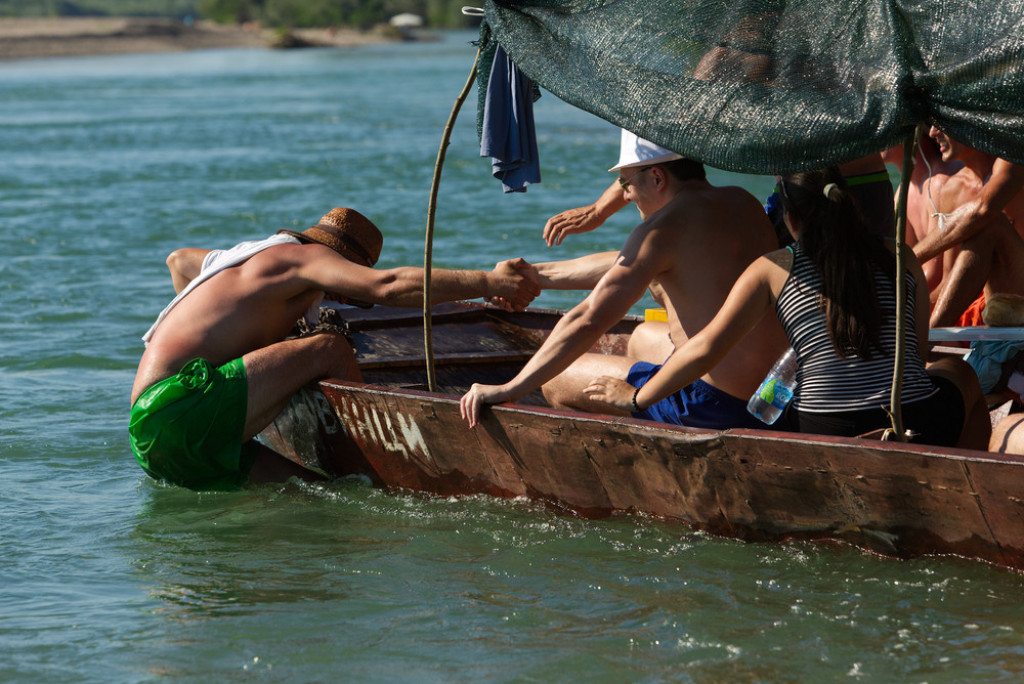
109, 163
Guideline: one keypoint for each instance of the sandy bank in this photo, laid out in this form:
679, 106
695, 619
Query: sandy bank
68, 36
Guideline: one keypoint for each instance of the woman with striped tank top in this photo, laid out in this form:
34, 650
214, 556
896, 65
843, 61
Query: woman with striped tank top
835, 295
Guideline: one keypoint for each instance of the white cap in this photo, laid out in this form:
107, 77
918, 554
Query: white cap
635, 151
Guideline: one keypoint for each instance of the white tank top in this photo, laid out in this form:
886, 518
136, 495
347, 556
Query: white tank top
215, 262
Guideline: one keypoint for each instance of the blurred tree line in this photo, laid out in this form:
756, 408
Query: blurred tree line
290, 13
93, 8
308, 13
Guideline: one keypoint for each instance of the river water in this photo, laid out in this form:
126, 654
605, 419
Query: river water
109, 163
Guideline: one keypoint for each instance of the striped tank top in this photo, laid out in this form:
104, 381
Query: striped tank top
828, 383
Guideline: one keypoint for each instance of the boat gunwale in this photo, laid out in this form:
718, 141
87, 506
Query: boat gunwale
697, 434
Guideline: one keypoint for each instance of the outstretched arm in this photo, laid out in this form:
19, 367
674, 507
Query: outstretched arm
514, 281
584, 219
582, 273
1003, 185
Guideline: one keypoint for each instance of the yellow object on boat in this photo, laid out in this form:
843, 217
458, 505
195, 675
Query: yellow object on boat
656, 315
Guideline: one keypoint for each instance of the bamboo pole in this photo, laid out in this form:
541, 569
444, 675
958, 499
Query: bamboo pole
897, 431
428, 249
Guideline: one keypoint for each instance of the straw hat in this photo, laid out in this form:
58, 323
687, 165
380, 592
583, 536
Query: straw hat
635, 151
348, 233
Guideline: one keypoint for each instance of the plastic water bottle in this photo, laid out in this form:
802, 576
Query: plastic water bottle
775, 392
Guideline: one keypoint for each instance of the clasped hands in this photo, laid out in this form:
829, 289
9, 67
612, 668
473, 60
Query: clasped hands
522, 284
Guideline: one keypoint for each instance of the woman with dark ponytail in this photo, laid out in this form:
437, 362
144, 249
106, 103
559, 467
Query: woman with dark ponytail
834, 291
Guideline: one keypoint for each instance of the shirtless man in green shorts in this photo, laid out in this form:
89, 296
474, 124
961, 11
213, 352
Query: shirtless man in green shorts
217, 368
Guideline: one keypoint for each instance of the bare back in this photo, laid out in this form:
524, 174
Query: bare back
713, 234
242, 308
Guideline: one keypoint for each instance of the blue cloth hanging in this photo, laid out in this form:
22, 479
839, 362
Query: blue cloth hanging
508, 135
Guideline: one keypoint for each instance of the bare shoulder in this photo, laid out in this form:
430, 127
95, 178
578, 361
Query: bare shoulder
293, 267
714, 203
933, 184
274, 259
737, 191
740, 203
782, 258
745, 214
738, 194
773, 269
726, 219
293, 256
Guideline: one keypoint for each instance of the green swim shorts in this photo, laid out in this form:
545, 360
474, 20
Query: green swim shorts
187, 429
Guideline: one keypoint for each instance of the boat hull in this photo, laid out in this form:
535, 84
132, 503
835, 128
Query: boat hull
896, 499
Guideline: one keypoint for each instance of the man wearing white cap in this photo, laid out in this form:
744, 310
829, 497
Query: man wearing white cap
692, 245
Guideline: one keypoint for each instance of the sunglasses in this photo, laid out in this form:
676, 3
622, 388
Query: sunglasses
624, 182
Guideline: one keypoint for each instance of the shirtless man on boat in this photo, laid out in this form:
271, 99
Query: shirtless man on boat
983, 200
217, 368
693, 243
929, 175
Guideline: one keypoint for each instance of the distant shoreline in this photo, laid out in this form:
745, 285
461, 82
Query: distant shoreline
34, 38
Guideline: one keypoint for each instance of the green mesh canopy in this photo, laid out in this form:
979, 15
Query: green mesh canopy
774, 86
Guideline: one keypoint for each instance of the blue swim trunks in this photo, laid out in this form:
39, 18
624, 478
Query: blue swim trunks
696, 405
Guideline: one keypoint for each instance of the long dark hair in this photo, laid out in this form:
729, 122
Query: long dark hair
835, 237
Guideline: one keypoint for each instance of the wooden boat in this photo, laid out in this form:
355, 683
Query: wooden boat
896, 499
